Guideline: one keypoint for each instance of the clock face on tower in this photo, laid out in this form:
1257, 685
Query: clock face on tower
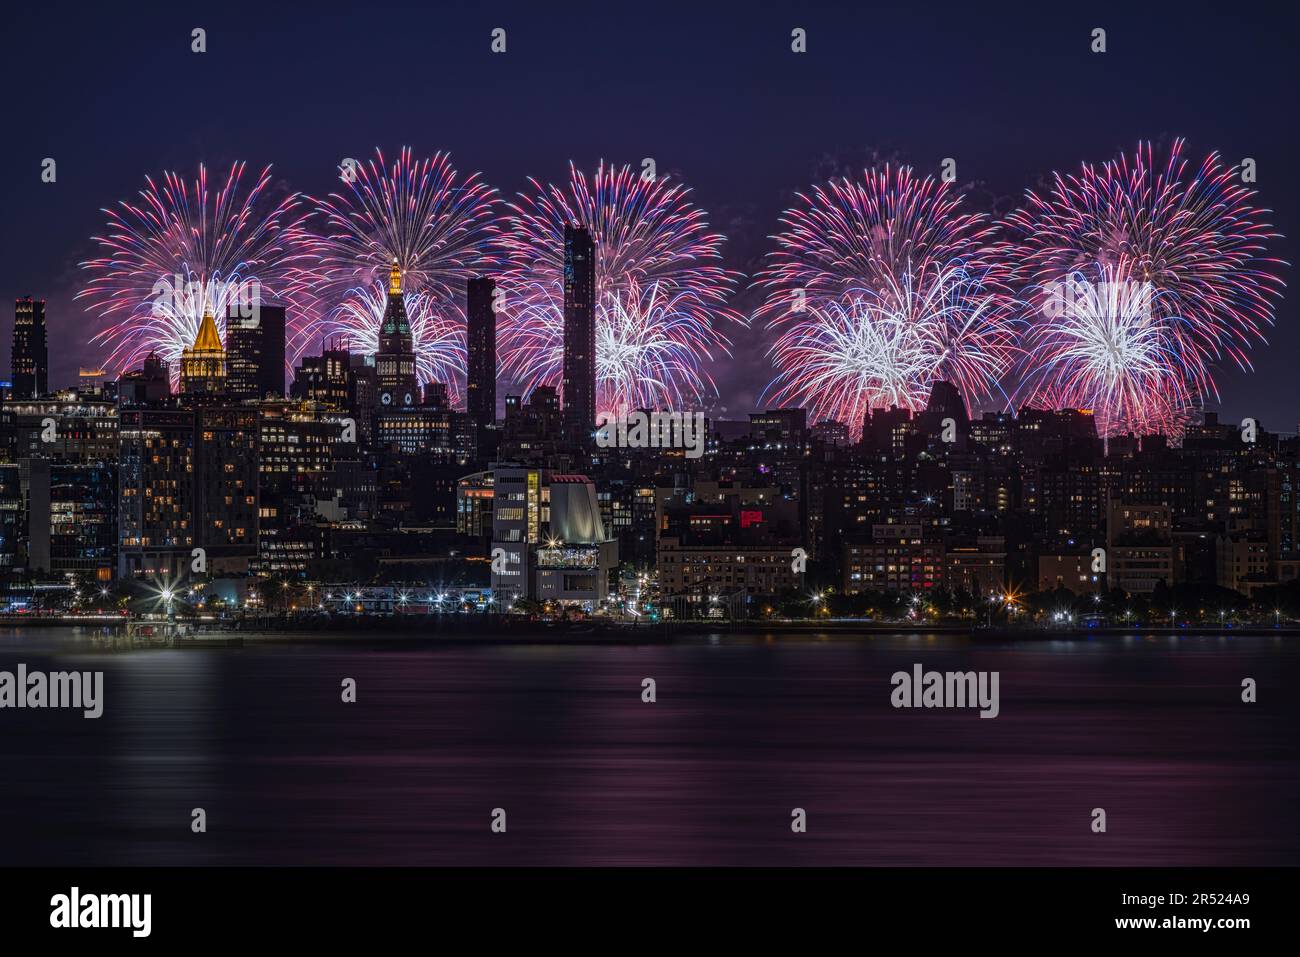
386, 398
409, 399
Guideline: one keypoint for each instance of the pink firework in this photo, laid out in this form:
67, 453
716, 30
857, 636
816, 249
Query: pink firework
878, 287
180, 250
1192, 234
661, 290
1112, 347
435, 224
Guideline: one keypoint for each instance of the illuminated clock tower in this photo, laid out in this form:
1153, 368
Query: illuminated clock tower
395, 360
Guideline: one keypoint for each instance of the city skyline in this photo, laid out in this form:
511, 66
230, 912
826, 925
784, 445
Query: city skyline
124, 483
992, 382
251, 349
1127, 292
332, 353
1181, 283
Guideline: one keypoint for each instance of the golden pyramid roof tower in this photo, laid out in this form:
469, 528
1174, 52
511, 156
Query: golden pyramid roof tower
208, 339
203, 365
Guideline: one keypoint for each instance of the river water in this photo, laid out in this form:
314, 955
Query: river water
745, 728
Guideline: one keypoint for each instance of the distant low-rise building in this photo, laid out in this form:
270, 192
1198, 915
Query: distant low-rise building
1244, 560
1139, 547
897, 557
1069, 570
979, 567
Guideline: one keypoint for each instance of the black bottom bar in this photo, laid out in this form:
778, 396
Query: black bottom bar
656, 907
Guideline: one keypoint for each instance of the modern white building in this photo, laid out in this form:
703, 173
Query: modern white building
548, 540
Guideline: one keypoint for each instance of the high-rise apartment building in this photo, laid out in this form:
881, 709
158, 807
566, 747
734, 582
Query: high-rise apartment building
579, 384
481, 332
31, 354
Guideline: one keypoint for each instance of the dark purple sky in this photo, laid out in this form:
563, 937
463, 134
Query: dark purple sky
711, 90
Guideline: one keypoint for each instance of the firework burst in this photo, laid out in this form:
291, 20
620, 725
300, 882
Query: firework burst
661, 291
1193, 234
181, 250
885, 347
879, 287
437, 331
1113, 348
437, 226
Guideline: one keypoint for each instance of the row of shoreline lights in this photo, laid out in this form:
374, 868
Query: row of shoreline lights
402, 599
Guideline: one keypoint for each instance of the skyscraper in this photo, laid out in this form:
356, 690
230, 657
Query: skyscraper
395, 360
579, 384
481, 332
255, 347
31, 354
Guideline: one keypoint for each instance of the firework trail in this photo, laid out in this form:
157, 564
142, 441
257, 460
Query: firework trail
1194, 235
878, 348
1112, 347
661, 290
878, 288
437, 226
181, 249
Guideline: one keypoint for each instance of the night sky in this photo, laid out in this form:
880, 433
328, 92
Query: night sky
710, 90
